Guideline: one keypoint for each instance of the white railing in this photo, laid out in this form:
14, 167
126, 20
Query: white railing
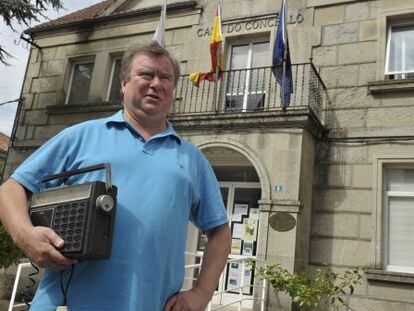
244, 260
240, 298
16, 284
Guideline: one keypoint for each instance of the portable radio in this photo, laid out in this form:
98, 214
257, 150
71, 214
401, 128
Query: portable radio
83, 215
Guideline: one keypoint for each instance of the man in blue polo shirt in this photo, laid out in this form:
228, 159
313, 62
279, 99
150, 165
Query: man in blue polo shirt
163, 182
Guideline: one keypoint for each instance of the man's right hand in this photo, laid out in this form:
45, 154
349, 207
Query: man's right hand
40, 245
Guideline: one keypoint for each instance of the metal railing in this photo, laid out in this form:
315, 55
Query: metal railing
250, 90
26, 265
193, 269
258, 289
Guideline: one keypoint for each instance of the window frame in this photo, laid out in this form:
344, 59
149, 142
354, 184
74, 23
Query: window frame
379, 216
73, 64
114, 59
386, 226
246, 92
388, 47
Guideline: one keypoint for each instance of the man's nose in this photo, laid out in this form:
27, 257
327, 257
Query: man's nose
155, 82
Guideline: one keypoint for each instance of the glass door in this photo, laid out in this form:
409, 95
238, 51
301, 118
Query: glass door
245, 86
241, 200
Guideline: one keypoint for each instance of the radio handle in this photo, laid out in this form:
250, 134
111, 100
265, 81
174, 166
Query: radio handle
65, 175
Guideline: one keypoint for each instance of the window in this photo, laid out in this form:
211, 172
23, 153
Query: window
400, 52
246, 78
114, 89
79, 83
399, 220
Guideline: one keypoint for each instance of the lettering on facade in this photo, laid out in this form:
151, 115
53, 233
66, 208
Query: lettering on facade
294, 17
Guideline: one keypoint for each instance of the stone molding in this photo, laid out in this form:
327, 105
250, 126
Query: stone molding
292, 118
288, 206
250, 155
388, 86
389, 276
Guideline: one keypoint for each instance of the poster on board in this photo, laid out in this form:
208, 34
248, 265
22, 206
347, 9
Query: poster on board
249, 231
235, 246
240, 210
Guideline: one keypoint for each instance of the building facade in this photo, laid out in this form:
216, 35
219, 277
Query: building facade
4, 146
328, 181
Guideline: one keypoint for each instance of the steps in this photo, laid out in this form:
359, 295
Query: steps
232, 308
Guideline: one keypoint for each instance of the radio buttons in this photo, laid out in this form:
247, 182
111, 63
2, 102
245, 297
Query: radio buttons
105, 202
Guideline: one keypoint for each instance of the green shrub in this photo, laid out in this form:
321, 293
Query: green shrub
309, 292
9, 252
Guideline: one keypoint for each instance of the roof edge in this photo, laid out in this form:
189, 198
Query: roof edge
89, 22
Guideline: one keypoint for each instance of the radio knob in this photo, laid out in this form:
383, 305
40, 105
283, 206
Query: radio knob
105, 202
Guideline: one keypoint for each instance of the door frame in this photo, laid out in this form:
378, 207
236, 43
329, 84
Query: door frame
228, 297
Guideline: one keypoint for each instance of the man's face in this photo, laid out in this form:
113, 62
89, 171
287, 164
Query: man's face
148, 91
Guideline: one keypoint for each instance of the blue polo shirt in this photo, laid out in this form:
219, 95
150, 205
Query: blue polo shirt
162, 183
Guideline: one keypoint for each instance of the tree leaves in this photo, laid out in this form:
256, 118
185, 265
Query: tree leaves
23, 12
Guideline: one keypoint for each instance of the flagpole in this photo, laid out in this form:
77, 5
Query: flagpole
163, 18
215, 97
284, 56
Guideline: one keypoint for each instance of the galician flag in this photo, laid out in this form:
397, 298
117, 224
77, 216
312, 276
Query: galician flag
216, 53
159, 34
282, 67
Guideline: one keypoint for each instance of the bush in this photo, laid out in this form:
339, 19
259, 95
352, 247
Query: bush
9, 252
325, 287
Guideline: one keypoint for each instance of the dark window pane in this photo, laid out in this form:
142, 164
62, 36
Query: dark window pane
234, 102
81, 81
236, 173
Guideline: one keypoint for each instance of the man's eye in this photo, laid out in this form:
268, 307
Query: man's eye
166, 78
146, 75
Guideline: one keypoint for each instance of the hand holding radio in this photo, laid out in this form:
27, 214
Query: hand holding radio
41, 244
82, 215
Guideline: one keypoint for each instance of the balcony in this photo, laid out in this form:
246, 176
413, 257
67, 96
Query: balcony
247, 97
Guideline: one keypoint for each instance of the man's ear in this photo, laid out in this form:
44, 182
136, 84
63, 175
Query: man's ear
123, 84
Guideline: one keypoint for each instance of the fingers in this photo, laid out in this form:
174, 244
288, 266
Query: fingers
41, 246
54, 239
171, 302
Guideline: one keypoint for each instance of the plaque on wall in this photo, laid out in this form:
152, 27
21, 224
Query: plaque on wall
282, 222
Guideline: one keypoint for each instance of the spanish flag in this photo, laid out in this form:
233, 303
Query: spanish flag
216, 40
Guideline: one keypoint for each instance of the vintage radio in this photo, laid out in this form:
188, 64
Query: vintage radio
83, 215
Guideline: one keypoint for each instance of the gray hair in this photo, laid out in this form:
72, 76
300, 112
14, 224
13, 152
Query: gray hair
152, 49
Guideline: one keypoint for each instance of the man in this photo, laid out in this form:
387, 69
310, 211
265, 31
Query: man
163, 181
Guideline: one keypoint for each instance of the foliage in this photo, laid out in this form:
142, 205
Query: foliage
9, 252
23, 12
325, 287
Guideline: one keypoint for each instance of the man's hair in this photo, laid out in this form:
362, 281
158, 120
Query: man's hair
153, 49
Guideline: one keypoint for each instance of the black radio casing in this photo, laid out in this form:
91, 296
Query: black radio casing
77, 215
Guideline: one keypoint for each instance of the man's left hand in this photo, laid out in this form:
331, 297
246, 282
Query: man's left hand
191, 300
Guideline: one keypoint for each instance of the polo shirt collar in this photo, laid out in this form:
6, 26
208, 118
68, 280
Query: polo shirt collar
119, 118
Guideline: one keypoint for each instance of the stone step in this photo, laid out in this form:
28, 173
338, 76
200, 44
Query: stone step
231, 308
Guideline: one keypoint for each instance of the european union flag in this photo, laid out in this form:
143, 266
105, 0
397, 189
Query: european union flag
282, 67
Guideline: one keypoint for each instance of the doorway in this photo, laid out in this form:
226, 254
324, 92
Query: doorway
241, 201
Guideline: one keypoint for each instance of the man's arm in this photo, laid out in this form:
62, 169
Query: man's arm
38, 243
214, 260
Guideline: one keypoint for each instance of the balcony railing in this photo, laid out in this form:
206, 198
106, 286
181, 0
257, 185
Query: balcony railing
251, 90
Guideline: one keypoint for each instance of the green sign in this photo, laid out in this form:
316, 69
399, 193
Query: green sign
278, 188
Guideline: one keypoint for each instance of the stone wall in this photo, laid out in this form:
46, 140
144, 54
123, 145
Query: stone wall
346, 218
346, 40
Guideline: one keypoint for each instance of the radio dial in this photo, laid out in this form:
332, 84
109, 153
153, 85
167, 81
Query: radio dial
105, 202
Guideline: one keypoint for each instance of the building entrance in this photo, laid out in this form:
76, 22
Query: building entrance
241, 201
